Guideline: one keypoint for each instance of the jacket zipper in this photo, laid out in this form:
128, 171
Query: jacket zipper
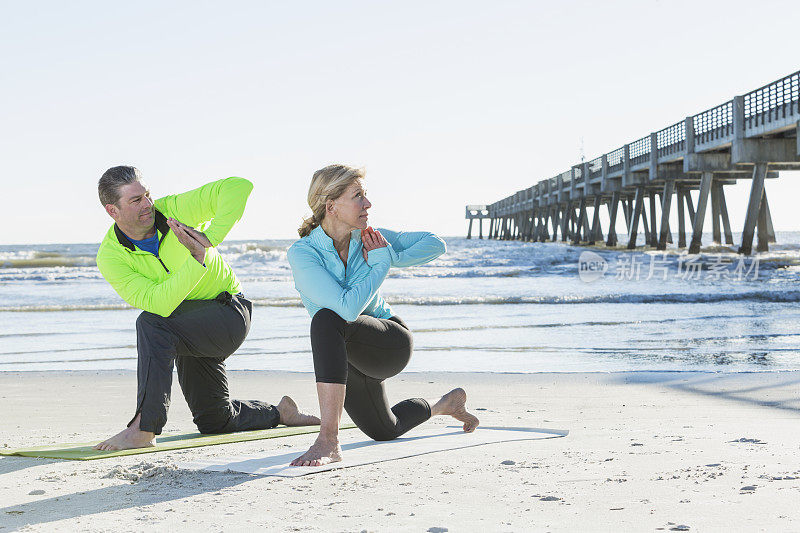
160, 240
157, 257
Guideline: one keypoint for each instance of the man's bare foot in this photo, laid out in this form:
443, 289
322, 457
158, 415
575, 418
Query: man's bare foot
128, 438
323, 451
291, 415
454, 404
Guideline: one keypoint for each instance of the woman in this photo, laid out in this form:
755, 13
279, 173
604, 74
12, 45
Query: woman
356, 340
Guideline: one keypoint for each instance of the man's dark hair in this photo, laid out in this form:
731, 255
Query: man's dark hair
112, 180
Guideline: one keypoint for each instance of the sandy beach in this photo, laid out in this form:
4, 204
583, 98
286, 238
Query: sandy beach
646, 451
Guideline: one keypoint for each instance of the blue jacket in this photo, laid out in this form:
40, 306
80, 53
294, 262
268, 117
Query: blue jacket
323, 281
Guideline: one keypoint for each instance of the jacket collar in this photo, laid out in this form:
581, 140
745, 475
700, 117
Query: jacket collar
161, 226
320, 239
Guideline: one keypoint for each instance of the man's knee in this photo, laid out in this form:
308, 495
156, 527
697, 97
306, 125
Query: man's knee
147, 320
214, 419
154, 337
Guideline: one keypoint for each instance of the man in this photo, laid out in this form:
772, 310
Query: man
193, 313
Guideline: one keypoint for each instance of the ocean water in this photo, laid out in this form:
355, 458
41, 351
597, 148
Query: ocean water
485, 306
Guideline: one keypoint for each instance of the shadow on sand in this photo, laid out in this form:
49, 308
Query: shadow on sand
10, 464
173, 485
777, 390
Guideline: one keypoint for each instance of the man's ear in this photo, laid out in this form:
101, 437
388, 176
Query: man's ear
112, 211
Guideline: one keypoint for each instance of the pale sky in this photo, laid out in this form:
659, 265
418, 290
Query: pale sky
444, 103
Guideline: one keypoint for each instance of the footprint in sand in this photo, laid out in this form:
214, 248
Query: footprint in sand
750, 441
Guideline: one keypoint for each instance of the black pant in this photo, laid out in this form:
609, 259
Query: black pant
362, 354
197, 338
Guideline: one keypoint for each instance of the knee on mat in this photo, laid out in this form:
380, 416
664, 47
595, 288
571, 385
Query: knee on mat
381, 435
213, 420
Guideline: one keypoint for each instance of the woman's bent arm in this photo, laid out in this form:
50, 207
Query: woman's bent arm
413, 248
314, 282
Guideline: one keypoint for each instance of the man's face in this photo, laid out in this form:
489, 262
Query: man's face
134, 209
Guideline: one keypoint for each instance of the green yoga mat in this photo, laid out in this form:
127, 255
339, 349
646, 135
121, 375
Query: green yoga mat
84, 452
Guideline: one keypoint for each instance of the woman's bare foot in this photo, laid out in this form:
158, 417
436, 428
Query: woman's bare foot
325, 450
454, 404
291, 415
129, 438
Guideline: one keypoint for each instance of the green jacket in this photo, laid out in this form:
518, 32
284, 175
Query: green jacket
160, 284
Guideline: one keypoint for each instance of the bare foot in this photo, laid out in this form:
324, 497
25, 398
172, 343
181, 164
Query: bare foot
128, 438
291, 415
454, 404
322, 452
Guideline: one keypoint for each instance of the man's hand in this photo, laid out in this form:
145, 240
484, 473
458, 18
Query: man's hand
194, 241
199, 236
370, 240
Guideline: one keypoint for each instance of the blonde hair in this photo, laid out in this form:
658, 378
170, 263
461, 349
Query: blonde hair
328, 183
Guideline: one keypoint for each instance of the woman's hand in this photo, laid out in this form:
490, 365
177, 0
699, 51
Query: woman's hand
370, 240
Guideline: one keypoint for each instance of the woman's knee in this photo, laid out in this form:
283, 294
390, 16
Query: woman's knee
388, 358
380, 434
326, 320
405, 341
369, 419
402, 334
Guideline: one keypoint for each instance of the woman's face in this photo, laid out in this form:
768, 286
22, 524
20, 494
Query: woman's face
351, 207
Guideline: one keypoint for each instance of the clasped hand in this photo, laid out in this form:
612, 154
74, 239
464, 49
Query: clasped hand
194, 241
370, 240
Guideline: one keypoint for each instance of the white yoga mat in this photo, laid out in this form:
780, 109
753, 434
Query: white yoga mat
359, 450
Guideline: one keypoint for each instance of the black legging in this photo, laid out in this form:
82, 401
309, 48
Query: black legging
361, 354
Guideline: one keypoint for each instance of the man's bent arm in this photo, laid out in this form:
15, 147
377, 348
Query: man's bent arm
143, 293
221, 202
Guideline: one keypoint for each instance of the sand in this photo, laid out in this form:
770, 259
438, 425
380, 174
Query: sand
646, 451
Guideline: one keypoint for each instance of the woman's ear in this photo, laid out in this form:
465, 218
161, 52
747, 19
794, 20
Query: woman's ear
329, 207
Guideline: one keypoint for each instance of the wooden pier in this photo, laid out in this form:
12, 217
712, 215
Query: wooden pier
753, 137
479, 213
